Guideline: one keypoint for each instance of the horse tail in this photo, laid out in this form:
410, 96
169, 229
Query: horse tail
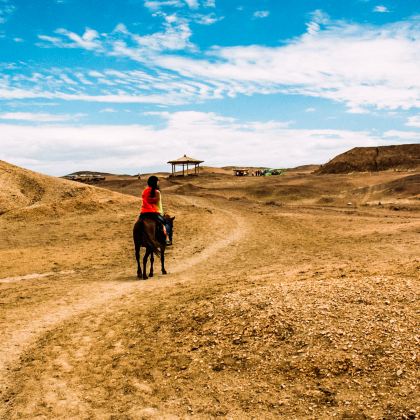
150, 241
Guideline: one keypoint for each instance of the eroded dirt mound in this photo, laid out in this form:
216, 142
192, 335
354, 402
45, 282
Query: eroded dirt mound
23, 191
368, 159
406, 187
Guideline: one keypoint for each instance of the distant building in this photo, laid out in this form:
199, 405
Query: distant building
187, 163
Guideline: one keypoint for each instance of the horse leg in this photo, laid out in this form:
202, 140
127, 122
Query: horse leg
162, 259
152, 259
137, 250
146, 256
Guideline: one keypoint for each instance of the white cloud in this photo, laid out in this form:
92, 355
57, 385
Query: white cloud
192, 4
318, 18
155, 5
38, 117
88, 41
208, 136
404, 136
209, 3
310, 109
260, 14
175, 35
209, 19
363, 66
381, 9
6, 10
413, 121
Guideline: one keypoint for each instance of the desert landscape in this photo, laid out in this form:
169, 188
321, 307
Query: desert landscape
292, 296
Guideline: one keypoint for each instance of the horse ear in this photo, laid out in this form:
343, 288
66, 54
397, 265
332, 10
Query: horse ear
173, 218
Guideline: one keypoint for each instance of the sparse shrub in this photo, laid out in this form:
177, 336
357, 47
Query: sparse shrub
326, 199
273, 203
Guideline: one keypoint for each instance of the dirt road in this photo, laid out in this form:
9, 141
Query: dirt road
268, 311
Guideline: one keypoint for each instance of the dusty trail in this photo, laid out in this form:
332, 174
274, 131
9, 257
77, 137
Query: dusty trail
269, 310
22, 334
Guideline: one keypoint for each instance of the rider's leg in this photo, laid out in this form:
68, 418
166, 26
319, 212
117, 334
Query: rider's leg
165, 232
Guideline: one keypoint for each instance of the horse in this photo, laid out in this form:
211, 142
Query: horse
146, 234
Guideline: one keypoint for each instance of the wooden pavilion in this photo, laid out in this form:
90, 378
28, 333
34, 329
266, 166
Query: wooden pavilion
186, 163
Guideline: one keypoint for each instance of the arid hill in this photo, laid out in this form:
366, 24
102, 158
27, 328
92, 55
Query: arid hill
371, 159
23, 191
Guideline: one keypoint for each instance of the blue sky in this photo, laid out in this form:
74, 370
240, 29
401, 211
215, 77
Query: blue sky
124, 86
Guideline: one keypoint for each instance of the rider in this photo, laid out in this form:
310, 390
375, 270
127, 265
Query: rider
151, 207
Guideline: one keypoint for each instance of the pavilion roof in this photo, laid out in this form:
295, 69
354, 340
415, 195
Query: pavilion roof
185, 159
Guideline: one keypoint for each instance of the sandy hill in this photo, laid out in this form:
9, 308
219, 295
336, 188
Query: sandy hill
24, 191
367, 159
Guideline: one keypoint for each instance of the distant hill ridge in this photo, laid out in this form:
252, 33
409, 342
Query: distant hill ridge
90, 173
372, 159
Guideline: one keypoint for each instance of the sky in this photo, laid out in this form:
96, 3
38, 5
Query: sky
124, 86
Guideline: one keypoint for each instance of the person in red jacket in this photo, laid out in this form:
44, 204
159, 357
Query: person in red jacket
152, 204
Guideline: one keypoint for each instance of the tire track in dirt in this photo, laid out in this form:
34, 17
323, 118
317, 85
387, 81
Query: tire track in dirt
23, 336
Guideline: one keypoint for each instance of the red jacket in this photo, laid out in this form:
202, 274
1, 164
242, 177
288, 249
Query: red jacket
151, 204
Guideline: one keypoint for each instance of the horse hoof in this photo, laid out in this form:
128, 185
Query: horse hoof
164, 272
150, 275
145, 277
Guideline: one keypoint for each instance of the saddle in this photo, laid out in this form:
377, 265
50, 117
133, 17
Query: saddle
159, 235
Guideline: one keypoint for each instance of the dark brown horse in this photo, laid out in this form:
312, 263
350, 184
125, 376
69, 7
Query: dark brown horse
146, 234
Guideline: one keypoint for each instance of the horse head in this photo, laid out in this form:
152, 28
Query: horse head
169, 224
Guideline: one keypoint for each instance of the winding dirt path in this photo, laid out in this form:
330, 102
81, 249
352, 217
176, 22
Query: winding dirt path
258, 297
23, 333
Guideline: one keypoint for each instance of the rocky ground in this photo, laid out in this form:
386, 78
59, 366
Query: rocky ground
287, 297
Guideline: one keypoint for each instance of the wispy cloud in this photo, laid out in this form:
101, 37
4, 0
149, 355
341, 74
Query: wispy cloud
89, 40
39, 117
260, 14
414, 121
208, 19
7, 8
209, 3
175, 35
155, 5
381, 9
317, 19
363, 66
193, 4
